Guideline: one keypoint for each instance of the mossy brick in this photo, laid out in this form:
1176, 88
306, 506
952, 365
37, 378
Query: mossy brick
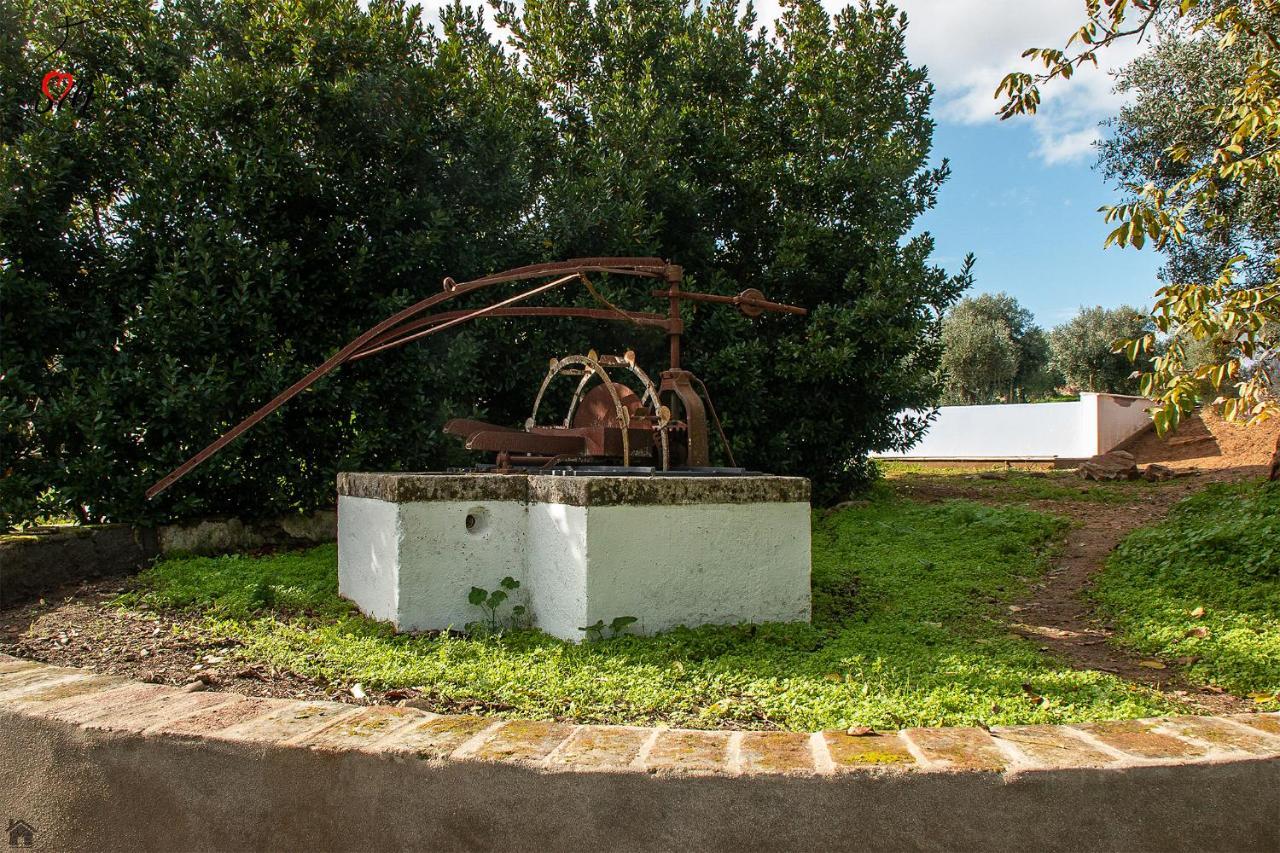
1053, 746
1269, 723
776, 752
9, 664
214, 721
46, 699
1140, 738
88, 707
1224, 735
154, 710
687, 751
362, 729
601, 748
523, 740
26, 681
959, 748
290, 723
863, 752
437, 737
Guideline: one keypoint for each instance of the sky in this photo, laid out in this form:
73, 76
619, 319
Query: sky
1023, 195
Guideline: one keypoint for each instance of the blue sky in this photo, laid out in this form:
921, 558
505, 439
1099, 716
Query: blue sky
1033, 226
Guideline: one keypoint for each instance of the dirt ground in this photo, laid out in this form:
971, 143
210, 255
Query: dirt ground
1206, 442
79, 626
1057, 614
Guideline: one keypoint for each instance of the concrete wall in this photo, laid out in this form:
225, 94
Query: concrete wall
42, 559
97, 764
667, 551
1093, 424
706, 564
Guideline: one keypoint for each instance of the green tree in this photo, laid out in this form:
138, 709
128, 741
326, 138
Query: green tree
1083, 349
979, 359
1228, 147
1172, 91
992, 350
252, 184
256, 181
795, 163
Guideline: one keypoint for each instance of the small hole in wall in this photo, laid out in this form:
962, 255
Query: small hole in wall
477, 519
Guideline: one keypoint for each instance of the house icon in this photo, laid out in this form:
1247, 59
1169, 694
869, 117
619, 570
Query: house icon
20, 833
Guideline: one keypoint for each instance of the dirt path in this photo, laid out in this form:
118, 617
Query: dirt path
1059, 616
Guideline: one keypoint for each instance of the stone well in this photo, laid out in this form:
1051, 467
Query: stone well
667, 550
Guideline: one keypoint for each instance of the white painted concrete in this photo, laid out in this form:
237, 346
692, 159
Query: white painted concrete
556, 567
1093, 424
413, 563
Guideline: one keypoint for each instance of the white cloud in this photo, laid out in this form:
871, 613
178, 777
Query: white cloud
969, 45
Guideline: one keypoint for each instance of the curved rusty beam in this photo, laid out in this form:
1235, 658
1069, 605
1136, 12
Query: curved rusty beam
398, 336
566, 270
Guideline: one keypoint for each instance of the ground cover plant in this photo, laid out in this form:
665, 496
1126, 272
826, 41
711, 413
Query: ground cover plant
1202, 588
1002, 484
907, 630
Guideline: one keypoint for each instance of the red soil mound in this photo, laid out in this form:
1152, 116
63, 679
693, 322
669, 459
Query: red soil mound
1206, 441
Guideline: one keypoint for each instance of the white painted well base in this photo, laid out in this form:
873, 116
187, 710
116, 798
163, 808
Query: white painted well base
412, 562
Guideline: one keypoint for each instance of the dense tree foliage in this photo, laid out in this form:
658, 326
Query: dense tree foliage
1083, 349
1212, 184
993, 351
256, 181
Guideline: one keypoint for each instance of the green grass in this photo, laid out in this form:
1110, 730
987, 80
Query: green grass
1218, 550
1015, 485
907, 630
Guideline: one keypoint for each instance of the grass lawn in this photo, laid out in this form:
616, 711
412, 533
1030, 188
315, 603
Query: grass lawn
907, 630
1013, 484
1205, 585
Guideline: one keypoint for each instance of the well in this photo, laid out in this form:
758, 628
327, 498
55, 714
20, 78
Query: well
667, 550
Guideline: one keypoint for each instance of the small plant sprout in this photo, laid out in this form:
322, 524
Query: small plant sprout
616, 628
489, 602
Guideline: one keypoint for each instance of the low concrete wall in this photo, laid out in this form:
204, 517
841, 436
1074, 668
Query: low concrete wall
666, 551
42, 559
98, 763
46, 558
1091, 425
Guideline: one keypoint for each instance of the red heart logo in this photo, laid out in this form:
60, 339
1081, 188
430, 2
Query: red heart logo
55, 80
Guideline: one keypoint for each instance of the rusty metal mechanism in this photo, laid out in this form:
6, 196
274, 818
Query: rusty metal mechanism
608, 422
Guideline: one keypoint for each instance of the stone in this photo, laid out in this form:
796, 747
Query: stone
684, 751
601, 748
958, 748
863, 752
775, 752
1113, 465
1141, 738
1157, 473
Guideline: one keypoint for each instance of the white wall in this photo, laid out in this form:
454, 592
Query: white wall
1093, 424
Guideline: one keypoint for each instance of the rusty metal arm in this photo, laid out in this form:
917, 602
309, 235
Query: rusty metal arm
567, 270
748, 299
400, 335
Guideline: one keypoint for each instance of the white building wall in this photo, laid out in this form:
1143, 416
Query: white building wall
1093, 424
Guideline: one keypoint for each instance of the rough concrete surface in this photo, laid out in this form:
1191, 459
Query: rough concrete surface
111, 767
